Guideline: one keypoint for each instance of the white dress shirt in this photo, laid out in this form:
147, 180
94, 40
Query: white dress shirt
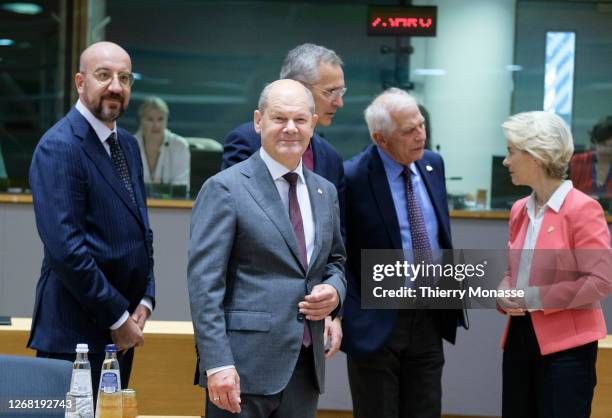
532, 295
277, 171
103, 132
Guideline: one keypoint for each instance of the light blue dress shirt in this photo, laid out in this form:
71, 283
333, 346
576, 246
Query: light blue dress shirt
397, 184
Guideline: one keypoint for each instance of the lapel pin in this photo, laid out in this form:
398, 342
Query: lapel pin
551, 229
429, 168
319, 191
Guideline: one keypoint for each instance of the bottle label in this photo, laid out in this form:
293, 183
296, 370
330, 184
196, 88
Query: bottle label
109, 382
81, 382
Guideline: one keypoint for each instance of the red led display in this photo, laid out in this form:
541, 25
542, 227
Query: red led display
402, 21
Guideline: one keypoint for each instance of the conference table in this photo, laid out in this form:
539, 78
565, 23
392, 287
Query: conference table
163, 370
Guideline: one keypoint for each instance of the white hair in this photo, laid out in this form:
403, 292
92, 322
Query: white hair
545, 136
378, 113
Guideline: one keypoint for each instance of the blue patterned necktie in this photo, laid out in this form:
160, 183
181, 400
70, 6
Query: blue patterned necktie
418, 231
120, 164
295, 216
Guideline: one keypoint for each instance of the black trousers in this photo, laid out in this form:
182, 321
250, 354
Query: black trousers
557, 385
403, 379
125, 359
298, 399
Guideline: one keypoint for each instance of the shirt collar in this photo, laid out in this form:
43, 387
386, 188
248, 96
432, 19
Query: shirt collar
392, 167
99, 128
276, 169
556, 199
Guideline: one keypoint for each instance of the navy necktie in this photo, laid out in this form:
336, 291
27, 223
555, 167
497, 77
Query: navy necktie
418, 231
120, 164
295, 216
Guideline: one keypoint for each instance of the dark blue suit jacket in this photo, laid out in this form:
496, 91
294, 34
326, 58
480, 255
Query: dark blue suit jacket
98, 253
371, 223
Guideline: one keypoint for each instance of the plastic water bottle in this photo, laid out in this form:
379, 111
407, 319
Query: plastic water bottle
79, 401
109, 395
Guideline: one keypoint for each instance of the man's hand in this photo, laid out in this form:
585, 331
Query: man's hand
140, 315
224, 390
332, 336
128, 335
321, 302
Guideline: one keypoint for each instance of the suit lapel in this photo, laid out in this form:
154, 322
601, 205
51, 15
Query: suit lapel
261, 187
382, 194
426, 175
97, 154
318, 153
319, 212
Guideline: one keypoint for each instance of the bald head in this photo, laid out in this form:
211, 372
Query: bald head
283, 87
104, 81
285, 119
100, 51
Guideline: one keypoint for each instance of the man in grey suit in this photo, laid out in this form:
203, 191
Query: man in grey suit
265, 269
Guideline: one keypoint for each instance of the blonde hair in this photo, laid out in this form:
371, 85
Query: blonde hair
545, 136
153, 102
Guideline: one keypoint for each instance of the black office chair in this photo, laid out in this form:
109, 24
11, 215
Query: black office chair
42, 381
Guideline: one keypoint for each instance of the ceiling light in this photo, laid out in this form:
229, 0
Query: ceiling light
6, 42
23, 8
430, 71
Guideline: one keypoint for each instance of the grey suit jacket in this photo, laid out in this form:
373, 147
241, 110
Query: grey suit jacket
246, 280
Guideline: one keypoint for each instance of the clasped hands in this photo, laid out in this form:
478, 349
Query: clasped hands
512, 306
130, 334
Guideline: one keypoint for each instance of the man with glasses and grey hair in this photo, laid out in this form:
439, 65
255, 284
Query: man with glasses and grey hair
96, 284
396, 200
320, 70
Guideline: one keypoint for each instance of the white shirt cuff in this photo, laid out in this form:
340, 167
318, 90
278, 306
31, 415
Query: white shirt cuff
214, 370
147, 302
120, 321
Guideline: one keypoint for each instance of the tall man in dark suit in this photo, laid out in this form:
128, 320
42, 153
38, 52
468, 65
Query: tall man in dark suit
395, 199
96, 284
320, 70
266, 266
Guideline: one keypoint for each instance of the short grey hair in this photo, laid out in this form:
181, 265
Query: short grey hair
264, 97
153, 102
302, 62
378, 113
545, 136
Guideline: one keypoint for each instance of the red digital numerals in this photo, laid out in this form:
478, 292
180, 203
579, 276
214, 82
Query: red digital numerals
402, 22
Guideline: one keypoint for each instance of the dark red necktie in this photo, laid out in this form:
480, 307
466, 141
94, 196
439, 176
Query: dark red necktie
295, 216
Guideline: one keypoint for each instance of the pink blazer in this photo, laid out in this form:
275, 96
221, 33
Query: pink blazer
571, 316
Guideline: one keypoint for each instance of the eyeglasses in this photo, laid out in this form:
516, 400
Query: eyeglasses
333, 94
105, 77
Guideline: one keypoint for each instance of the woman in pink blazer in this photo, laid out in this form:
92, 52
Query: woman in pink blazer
559, 254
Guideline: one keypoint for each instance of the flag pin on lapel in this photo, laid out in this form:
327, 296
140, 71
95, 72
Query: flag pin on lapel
429, 168
551, 229
319, 191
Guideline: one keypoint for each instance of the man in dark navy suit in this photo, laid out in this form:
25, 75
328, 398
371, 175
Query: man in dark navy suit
320, 70
96, 284
395, 199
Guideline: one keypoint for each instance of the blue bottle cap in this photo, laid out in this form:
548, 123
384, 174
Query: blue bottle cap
111, 348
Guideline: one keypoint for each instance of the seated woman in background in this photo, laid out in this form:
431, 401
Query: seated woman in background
559, 254
165, 155
591, 171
